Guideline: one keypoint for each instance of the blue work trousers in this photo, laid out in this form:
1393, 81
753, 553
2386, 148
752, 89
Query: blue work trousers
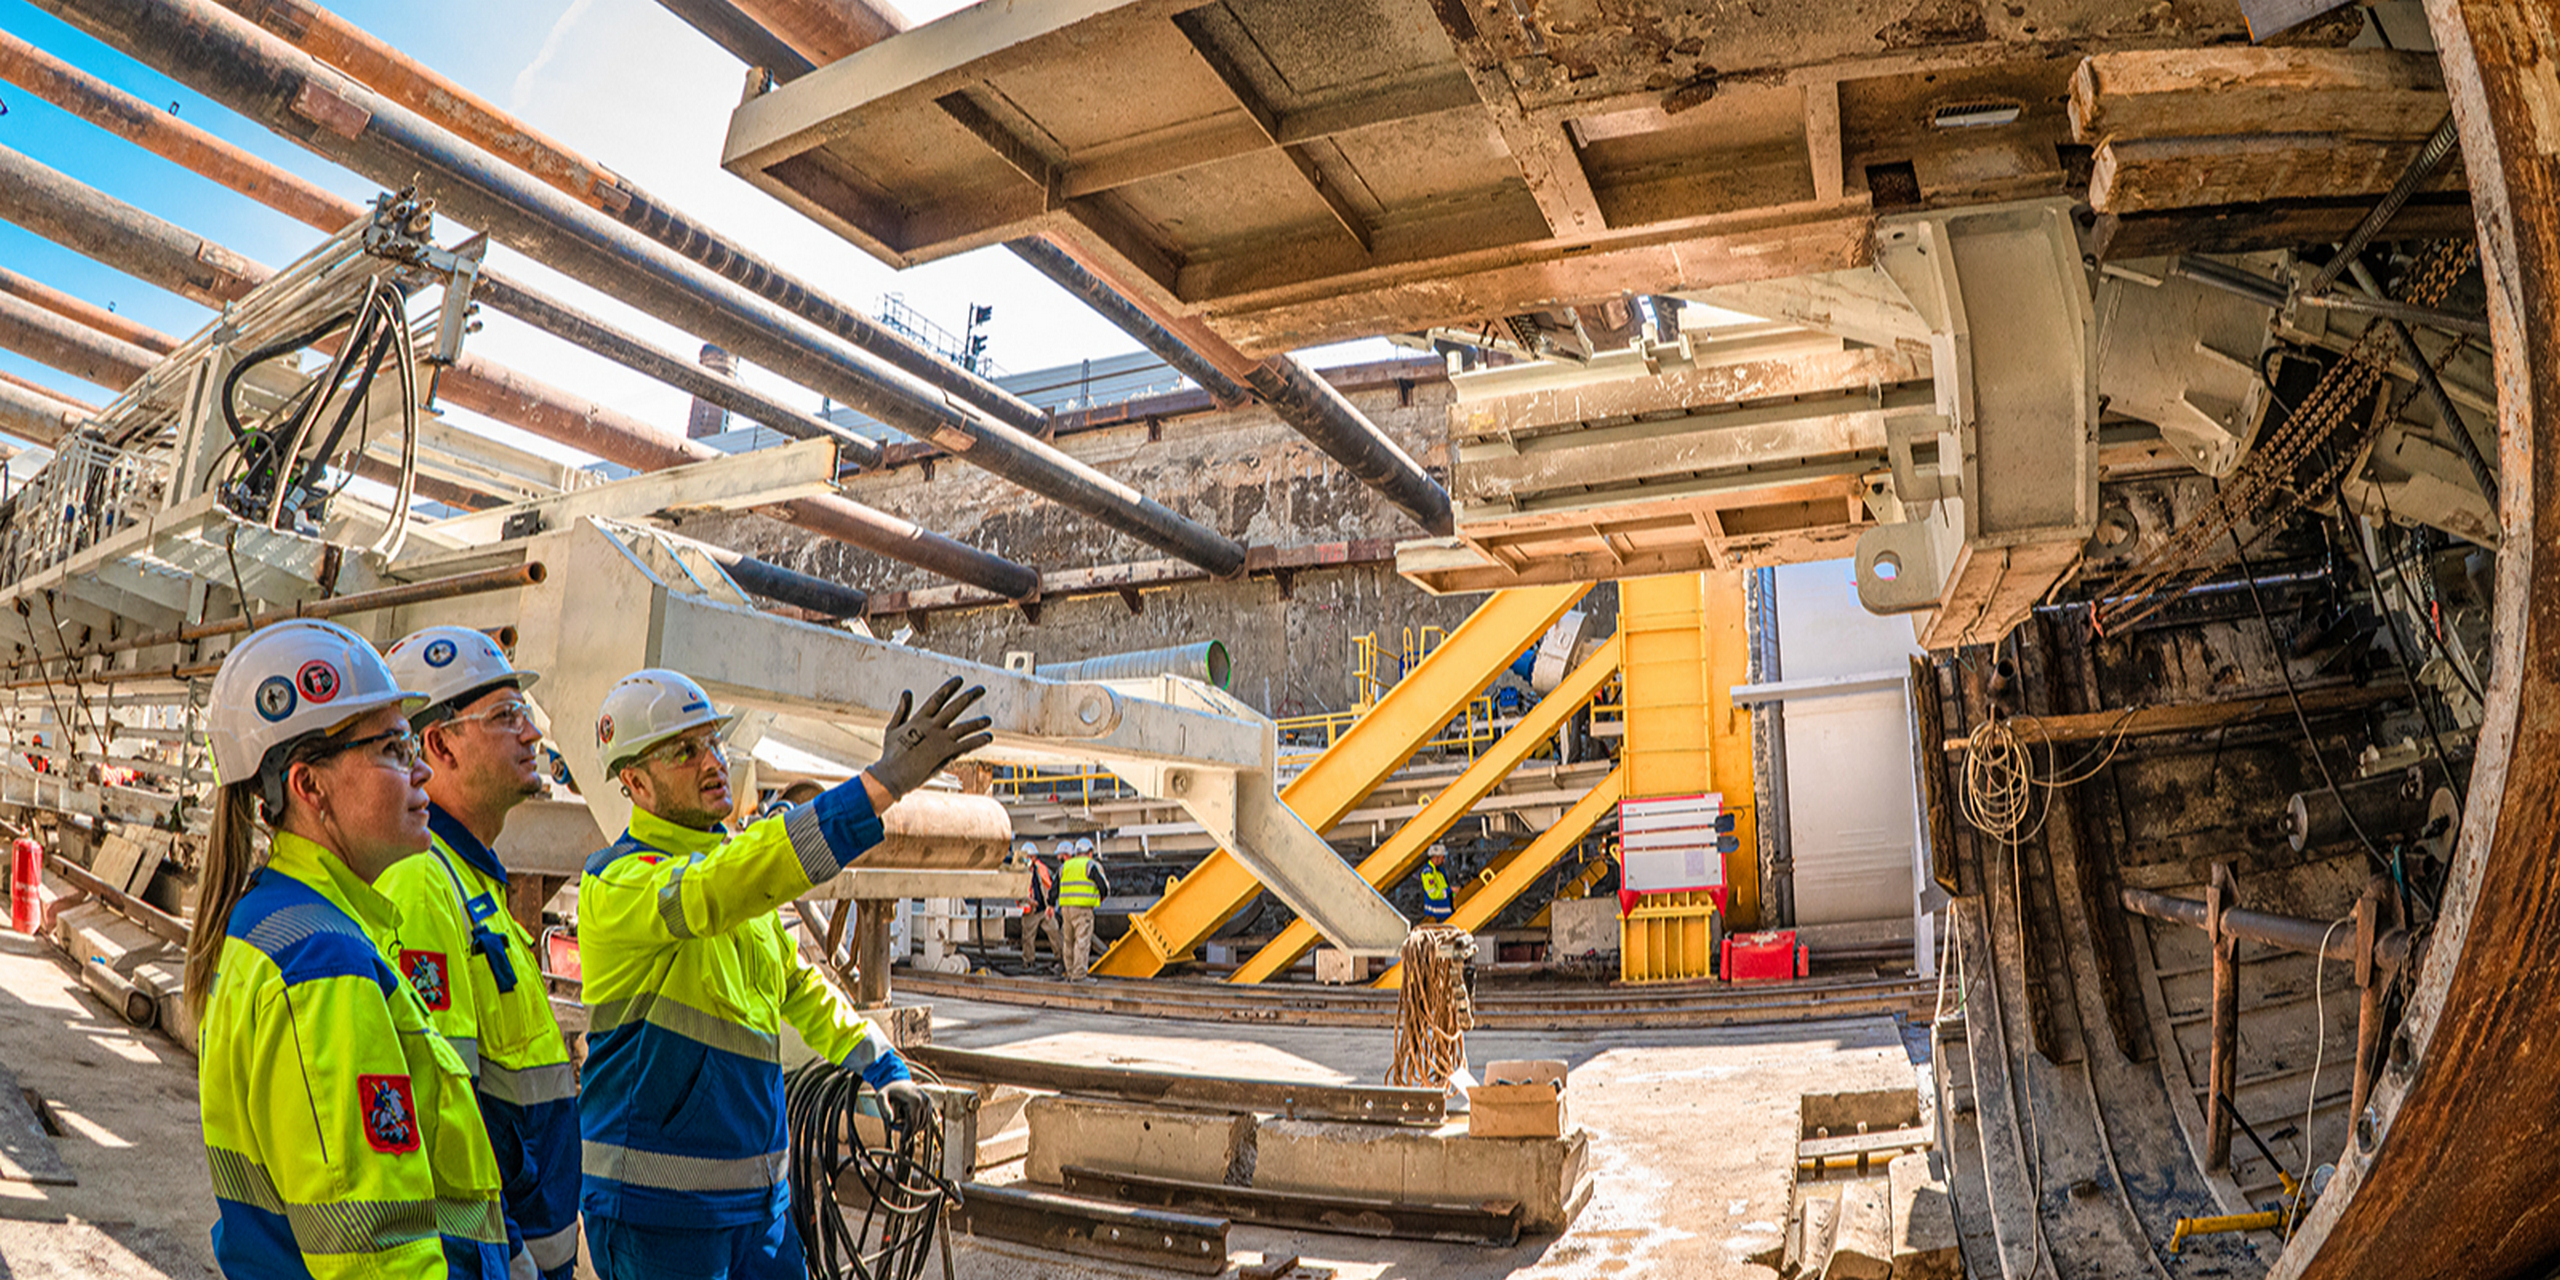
628, 1251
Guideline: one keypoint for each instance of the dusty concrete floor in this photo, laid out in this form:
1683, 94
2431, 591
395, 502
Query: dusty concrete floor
127, 1102
1692, 1134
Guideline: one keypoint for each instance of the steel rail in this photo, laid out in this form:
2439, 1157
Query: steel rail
157, 251
400, 595
581, 219
1121, 1233
1485, 1222
1295, 1099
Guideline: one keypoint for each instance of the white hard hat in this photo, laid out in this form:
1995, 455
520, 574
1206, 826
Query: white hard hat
1028, 849
288, 681
448, 663
1439, 850
1084, 844
646, 708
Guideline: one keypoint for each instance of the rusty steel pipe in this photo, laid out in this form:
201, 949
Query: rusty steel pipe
244, 67
154, 250
745, 38
709, 385
122, 113
331, 40
59, 208
70, 346
32, 415
85, 312
157, 130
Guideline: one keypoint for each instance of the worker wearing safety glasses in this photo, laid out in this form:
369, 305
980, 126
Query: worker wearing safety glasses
470, 961
689, 978
339, 1126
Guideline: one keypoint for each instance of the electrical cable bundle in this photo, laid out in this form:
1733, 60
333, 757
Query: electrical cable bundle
1435, 1008
899, 1187
280, 462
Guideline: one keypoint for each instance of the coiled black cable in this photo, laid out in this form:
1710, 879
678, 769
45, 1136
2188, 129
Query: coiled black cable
898, 1189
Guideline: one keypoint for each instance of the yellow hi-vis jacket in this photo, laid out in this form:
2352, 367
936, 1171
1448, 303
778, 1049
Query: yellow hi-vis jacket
689, 980
1076, 886
340, 1128
1435, 894
473, 966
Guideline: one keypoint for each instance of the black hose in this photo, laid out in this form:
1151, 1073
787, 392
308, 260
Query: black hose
900, 1188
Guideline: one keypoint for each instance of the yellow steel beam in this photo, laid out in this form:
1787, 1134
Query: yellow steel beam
1515, 879
1396, 859
1417, 708
1686, 649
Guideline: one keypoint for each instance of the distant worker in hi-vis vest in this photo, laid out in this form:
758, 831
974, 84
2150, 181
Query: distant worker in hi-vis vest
690, 977
470, 960
1040, 911
1081, 887
1437, 905
339, 1127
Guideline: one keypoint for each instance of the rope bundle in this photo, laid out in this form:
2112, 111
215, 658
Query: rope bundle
1435, 1009
903, 1193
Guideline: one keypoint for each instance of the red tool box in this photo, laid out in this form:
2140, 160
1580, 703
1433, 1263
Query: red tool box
1764, 957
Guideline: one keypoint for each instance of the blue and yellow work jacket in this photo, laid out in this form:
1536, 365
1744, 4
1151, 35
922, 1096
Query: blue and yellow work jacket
1435, 894
473, 966
339, 1126
689, 980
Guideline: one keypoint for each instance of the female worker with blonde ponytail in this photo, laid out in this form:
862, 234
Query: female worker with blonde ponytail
340, 1129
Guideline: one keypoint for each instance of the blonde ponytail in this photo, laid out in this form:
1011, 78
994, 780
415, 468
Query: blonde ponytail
221, 878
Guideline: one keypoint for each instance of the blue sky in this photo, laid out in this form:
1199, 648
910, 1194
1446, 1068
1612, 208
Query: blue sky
621, 80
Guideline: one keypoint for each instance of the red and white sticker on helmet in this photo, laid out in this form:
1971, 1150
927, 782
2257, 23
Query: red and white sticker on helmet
317, 680
604, 730
390, 1113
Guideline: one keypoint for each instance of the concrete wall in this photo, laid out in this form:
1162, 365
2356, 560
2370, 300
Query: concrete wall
1239, 471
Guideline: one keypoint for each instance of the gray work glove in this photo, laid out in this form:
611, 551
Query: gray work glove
918, 745
910, 1107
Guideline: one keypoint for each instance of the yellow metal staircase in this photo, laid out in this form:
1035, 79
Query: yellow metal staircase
1407, 715
1393, 861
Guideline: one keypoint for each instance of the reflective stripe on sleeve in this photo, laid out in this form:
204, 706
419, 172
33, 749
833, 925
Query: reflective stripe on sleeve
817, 857
480, 1220
870, 1049
659, 1010
671, 903
526, 1086
468, 1050
680, 1173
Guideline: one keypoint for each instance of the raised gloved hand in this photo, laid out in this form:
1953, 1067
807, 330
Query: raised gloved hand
910, 1107
918, 745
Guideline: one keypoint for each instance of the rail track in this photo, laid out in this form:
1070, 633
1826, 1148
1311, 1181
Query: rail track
1502, 1008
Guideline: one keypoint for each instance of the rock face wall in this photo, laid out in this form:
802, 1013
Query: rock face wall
1242, 472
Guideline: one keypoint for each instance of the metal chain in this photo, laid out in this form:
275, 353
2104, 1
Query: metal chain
2260, 492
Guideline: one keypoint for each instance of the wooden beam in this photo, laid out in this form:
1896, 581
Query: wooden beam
2189, 93
2247, 228
2132, 175
1822, 137
1228, 137
2196, 717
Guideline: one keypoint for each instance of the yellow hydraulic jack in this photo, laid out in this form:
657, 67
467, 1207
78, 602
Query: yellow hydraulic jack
2279, 1219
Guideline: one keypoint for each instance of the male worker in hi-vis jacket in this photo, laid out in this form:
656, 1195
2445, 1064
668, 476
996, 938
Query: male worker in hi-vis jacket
469, 959
689, 978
